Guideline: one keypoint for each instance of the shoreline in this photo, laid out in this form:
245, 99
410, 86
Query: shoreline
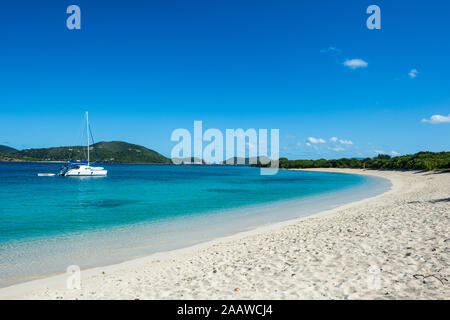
54, 286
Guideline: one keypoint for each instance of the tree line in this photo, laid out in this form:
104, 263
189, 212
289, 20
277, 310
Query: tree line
420, 161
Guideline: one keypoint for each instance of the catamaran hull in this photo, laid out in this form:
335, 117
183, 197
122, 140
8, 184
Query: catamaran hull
85, 174
83, 171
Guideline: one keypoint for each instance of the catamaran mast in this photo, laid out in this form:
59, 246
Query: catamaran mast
87, 129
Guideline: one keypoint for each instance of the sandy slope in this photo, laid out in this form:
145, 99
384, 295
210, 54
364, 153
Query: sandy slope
393, 246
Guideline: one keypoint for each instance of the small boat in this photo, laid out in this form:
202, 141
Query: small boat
83, 168
46, 174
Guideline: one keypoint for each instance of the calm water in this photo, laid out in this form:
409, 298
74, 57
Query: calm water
48, 223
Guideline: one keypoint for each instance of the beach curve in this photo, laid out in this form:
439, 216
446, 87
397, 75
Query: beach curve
402, 232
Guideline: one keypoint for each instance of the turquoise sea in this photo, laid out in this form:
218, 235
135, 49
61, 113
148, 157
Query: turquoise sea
49, 223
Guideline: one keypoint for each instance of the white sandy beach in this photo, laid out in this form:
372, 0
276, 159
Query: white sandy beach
393, 246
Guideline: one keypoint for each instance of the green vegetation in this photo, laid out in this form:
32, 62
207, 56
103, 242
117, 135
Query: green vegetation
15, 157
6, 149
419, 161
115, 151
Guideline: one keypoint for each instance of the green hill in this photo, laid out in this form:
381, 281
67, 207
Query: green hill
15, 157
114, 151
6, 149
118, 151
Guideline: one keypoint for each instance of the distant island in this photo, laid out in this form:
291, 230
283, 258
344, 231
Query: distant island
113, 152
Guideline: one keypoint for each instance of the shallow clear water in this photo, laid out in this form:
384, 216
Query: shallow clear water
48, 223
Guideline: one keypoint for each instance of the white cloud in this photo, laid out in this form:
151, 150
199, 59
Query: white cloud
342, 141
379, 151
345, 141
437, 118
413, 73
395, 153
355, 63
308, 144
316, 140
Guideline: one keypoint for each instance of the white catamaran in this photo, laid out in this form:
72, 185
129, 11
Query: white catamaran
82, 168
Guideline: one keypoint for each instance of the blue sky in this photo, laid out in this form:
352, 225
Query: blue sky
145, 68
